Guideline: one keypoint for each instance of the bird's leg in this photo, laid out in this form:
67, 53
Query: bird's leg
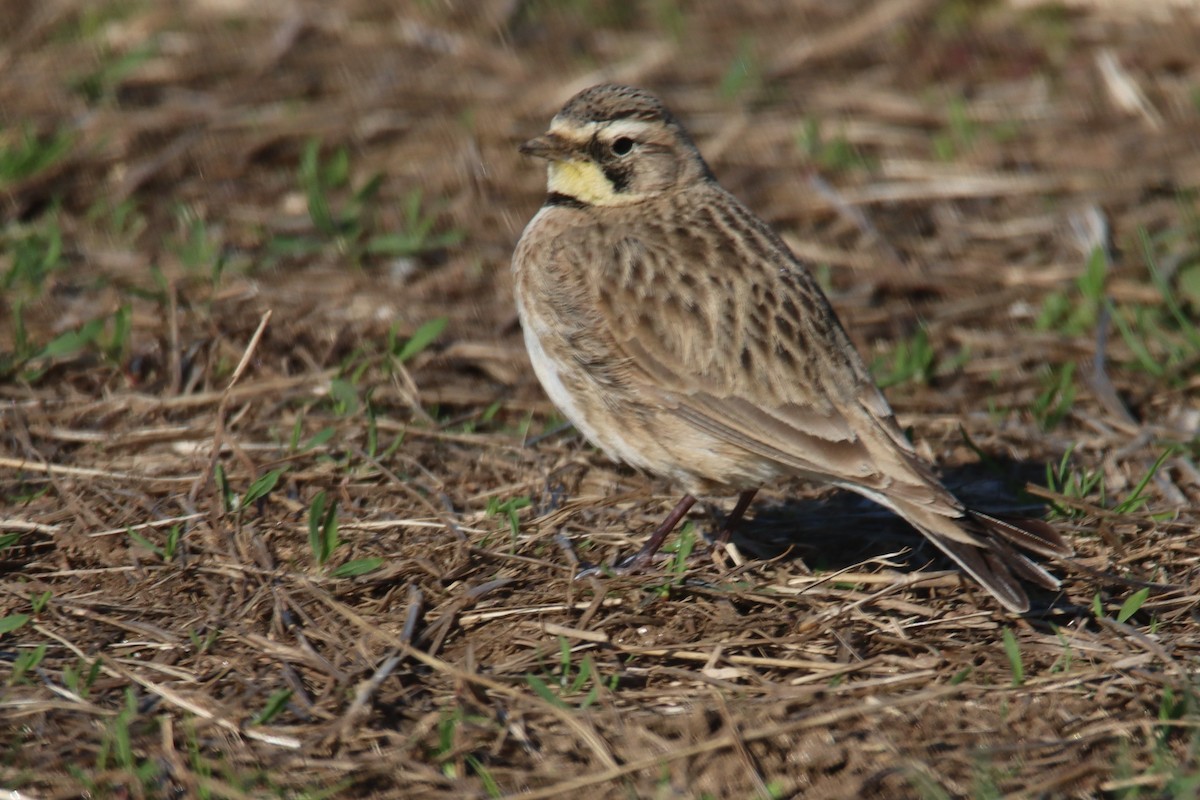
735, 516
655, 541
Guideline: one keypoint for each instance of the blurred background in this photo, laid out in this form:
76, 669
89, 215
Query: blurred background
914, 147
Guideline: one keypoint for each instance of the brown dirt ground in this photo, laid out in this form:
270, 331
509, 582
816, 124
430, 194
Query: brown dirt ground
963, 149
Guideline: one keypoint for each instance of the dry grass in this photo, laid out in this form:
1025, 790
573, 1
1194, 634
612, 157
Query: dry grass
984, 189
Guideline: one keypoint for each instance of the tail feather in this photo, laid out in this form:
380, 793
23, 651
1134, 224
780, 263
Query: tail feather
990, 571
1024, 566
992, 558
1033, 535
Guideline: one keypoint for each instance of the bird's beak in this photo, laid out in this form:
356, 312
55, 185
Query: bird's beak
549, 146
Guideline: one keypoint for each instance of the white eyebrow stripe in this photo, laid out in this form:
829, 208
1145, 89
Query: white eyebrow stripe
632, 128
573, 130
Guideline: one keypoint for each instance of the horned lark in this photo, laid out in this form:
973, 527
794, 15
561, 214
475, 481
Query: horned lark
681, 336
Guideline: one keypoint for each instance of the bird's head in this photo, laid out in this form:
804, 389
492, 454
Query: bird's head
616, 145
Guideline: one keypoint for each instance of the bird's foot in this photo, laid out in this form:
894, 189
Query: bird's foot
723, 554
628, 565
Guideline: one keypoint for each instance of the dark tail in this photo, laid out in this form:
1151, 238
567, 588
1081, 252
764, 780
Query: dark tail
1034, 535
1000, 566
996, 561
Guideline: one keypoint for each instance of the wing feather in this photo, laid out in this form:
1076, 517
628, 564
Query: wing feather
739, 340
714, 319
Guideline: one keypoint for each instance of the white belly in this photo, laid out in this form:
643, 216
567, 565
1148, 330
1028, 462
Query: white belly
602, 433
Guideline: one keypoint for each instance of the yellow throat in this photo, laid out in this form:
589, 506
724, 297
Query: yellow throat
584, 181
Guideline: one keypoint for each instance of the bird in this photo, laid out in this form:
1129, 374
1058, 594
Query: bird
680, 335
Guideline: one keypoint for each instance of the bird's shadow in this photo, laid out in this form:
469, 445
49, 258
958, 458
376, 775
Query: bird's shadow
840, 529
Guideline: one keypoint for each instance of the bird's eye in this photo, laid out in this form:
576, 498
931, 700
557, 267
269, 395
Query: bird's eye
622, 146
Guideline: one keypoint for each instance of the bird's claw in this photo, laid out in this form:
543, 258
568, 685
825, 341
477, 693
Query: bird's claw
623, 566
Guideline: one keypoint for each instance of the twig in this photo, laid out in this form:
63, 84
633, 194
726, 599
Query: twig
367, 688
175, 699
725, 741
205, 479
879, 18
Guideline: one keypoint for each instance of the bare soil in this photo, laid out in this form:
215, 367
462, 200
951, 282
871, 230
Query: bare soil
1000, 197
